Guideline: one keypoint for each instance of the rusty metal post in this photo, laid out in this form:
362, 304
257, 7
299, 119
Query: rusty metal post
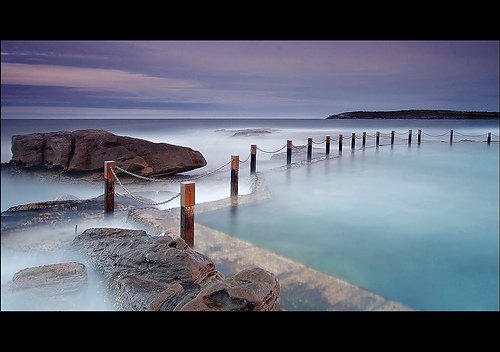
409, 136
187, 212
309, 148
451, 136
340, 143
288, 152
253, 158
235, 167
327, 148
109, 188
377, 139
419, 137
353, 140
488, 140
364, 139
392, 137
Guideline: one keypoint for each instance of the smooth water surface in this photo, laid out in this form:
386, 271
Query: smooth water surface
415, 224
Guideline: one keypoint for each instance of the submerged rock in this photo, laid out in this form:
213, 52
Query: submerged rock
86, 150
163, 273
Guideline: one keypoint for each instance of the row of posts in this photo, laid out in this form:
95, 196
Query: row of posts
187, 189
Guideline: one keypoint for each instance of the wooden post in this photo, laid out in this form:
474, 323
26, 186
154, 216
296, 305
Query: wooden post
288, 152
392, 137
109, 188
327, 151
409, 136
353, 140
489, 138
364, 139
377, 139
76, 229
309, 148
340, 143
451, 136
253, 158
419, 137
235, 167
187, 212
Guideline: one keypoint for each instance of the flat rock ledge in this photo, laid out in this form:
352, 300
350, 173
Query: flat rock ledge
163, 274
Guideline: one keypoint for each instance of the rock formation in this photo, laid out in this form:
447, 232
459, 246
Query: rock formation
86, 150
21, 217
53, 286
163, 273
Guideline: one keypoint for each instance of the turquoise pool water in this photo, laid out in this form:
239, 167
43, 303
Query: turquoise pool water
419, 225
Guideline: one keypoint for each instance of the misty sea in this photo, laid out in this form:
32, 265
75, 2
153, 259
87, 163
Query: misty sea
418, 224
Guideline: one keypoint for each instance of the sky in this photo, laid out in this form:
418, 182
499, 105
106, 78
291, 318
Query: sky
244, 79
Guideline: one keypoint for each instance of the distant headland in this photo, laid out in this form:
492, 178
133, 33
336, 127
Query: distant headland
418, 114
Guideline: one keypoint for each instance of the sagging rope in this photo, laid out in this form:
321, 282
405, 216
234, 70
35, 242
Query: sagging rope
244, 161
318, 142
172, 180
138, 199
271, 152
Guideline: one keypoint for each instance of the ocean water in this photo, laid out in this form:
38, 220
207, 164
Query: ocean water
416, 224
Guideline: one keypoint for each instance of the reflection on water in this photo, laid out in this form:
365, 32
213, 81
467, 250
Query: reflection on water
417, 225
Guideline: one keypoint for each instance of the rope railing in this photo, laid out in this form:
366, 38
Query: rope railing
468, 135
248, 157
437, 135
324, 141
196, 177
299, 146
272, 152
138, 199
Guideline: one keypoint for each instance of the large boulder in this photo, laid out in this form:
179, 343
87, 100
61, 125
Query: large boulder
163, 273
86, 150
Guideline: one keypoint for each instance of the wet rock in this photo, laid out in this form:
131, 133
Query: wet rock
47, 287
21, 217
251, 132
250, 290
51, 279
163, 273
86, 150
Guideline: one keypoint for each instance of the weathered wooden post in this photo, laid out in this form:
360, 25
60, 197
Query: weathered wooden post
288, 152
353, 140
392, 137
419, 137
109, 188
327, 148
340, 143
488, 140
309, 148
364, 139
187, 212
377, 139
235, 167
253, 158
451, 136
409, 136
